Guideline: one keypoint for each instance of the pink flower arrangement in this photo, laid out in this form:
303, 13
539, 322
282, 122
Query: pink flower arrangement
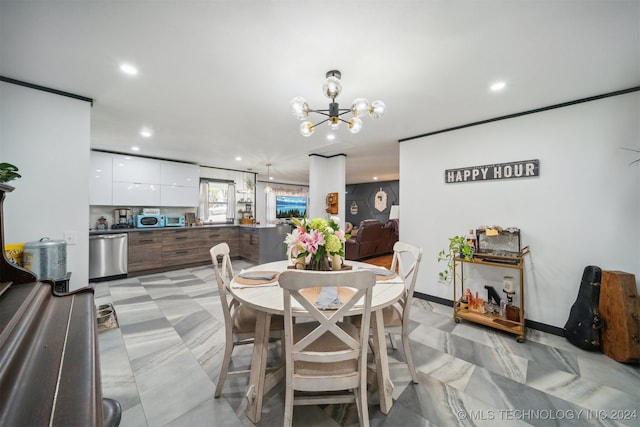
316, 239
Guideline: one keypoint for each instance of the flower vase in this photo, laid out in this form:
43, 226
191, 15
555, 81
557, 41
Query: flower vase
319, 264
299, 263
336, 262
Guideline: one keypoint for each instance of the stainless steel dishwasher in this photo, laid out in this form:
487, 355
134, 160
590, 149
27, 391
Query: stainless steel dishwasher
107, 255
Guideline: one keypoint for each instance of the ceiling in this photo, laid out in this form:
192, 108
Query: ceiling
216, 77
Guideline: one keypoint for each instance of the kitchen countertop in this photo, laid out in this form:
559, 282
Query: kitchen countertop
133, 230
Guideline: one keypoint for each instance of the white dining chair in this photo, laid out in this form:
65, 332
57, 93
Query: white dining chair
326, 354
239, 319
406, 263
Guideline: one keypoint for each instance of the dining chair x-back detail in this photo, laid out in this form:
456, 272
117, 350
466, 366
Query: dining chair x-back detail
326, 354
406, 262
239, 319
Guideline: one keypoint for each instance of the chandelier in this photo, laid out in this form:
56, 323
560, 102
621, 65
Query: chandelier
332, 88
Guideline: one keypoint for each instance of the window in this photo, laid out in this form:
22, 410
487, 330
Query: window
215, 201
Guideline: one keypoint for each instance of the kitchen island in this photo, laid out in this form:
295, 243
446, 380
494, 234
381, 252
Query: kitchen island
152, 250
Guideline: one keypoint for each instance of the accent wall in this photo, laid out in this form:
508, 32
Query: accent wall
362, 199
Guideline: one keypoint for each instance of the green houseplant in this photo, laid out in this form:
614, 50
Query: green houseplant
458, 246
8, 172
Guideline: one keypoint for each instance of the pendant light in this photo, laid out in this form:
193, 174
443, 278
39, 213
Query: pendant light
267, 188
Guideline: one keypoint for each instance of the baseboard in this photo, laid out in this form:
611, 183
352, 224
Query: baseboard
435, 299
527, 323
544, 327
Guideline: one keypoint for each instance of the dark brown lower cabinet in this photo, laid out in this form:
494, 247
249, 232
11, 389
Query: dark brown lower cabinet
250, 243
180, 246
212, 236
145, 250
170, 248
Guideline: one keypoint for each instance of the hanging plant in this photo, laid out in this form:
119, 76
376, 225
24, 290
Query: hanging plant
8, 172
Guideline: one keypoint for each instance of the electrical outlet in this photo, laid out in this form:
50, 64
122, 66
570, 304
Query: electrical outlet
71, 237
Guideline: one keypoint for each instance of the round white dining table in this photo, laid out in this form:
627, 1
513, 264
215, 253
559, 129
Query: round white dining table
268, 299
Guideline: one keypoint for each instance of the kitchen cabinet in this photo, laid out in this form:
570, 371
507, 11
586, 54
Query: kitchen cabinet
209, 237
250, 243
100, 179
179, 184
180, 246
264, 244
136, 181
136, 194
164, 249
145, 250
136, 169
179, 174
272, 246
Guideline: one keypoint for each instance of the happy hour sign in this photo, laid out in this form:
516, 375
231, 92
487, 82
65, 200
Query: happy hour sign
510, 170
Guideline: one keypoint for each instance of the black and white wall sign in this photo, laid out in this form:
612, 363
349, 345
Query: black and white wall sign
511, 170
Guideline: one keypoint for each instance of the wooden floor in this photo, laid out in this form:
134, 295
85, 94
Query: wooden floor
381, 261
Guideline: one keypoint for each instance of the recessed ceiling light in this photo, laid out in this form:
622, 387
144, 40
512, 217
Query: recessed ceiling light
497, 86
238, 158
129, 69
331, 137
375, 178
146, 133
135, 148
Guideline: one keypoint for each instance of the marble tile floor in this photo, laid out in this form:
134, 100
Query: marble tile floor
163, 361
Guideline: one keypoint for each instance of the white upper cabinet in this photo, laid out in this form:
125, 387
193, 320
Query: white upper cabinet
180, 174
100, 179
121, 180
137, 170
180, 184
136, 194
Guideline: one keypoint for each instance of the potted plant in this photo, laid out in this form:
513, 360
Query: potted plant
8, 172
458, 246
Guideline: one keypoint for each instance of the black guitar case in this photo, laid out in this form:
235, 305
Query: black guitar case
583, 326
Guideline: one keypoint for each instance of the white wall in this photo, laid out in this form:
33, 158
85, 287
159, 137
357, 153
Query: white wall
583, 209
326, 175
47, 137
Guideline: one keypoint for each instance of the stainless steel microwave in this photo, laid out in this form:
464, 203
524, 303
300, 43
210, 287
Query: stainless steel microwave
150, 221
174, 221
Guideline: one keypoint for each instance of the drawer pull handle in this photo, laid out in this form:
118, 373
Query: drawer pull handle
182, 238
181, 252
146, 241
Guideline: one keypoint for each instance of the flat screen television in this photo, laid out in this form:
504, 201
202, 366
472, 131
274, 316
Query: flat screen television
291, 206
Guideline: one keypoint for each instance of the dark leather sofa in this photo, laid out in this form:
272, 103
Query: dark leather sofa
373, 238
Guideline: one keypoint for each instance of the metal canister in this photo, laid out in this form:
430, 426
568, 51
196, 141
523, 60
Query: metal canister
46, 258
